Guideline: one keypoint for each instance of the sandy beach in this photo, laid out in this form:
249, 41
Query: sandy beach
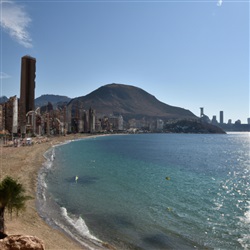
23, 163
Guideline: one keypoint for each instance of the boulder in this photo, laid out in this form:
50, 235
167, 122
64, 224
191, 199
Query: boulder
21, 242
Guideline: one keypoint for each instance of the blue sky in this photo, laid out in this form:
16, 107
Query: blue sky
188, 54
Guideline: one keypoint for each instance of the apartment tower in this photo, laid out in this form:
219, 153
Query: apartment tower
91, 120
221, 117
202, 112
27, 89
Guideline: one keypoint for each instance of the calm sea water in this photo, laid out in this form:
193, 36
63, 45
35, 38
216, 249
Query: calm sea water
151, 191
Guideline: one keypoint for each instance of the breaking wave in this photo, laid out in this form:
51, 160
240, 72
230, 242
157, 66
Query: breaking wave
58, 217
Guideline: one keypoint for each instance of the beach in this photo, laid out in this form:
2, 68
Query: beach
159, 215
23, 163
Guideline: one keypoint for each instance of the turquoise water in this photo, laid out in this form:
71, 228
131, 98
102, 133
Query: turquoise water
151, 191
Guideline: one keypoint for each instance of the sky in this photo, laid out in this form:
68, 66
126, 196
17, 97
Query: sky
186, 53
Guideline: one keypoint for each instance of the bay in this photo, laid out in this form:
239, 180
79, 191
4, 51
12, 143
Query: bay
152, 191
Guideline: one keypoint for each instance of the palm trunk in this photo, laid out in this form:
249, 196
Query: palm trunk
2, 219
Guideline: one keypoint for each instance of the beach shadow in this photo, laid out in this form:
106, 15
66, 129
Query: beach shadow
82, 180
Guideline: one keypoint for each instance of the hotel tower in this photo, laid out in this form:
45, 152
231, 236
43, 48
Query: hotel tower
27, 89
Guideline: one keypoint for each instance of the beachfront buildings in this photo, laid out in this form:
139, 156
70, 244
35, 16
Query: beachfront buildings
9, 115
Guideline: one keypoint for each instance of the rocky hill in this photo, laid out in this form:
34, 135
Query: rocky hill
53, 99
130, 102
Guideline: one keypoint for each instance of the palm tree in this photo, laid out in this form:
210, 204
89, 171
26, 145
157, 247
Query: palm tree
12, 198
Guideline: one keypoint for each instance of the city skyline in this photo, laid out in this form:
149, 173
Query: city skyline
188, 54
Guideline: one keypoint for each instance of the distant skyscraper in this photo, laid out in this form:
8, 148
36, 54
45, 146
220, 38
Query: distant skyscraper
91, 120
27, 89
221, 117
214, 120
202, 112
120, 123
15, 115
69, 118
11, 115
248, 120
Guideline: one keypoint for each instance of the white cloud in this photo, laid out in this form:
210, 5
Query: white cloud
219, 3
15, 21
4, 75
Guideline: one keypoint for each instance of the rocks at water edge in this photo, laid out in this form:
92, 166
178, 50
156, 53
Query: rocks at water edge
21, 242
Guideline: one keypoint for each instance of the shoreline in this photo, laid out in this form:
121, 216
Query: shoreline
23, 164
174, 240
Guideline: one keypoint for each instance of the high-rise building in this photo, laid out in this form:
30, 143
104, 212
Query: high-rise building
11, 115
91, 120
2, 118
15, 115
221, 117
202, 111
214, 120
120, 123
27, 89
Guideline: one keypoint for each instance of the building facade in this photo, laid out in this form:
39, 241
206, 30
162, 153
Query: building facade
221, 117
27, 89
91, 120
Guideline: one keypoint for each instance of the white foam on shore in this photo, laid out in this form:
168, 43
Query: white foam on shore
42, 186
47, 213
78, 223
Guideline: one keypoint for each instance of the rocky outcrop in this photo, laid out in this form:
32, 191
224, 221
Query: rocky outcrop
193, 126
21, 242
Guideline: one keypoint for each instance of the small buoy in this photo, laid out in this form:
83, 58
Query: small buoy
167, 178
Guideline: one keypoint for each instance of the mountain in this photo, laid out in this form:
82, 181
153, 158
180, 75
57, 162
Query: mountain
130, 102
53, 99
3, 99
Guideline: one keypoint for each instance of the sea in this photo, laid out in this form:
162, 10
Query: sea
150, 191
